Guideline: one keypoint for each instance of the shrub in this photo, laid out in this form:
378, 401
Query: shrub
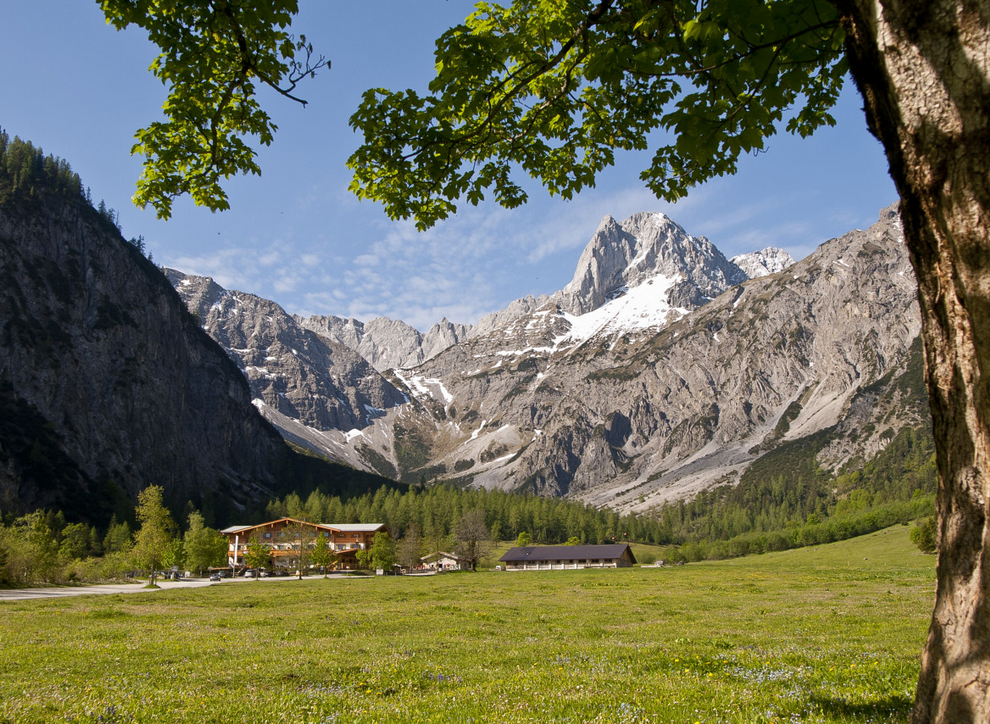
923, 534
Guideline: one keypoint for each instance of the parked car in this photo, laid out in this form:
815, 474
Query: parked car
249, 574
214, 576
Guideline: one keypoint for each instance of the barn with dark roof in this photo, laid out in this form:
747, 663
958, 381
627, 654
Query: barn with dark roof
555, 558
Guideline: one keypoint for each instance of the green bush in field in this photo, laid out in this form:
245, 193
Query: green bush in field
923, 534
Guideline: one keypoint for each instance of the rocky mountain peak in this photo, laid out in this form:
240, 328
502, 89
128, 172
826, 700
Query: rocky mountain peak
640, 250
764, 262
348, 332
442, 335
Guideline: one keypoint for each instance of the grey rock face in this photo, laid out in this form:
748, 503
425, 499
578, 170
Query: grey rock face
631, 416
516, 309
295, 371
442, 335
384, 342
347, 332
96, 346
391, 343
761, 263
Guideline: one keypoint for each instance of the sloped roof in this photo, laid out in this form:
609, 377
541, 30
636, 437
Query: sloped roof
338, 527
354, 527
236, 528
568, 553
287, 521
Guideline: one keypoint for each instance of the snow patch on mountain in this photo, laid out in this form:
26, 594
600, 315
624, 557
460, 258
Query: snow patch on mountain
631, 310
424, 386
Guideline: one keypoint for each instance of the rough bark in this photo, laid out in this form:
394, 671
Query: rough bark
922, 67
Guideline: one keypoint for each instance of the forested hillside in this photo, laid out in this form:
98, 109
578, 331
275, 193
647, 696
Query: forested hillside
108, 384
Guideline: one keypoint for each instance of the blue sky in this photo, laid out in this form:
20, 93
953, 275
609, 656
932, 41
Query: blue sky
79, 89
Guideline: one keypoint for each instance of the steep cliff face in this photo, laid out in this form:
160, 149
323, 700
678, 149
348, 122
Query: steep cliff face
295, 372
112, 383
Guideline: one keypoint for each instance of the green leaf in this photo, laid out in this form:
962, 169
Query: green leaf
552, 90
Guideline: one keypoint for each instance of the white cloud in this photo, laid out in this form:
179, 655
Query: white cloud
286, 282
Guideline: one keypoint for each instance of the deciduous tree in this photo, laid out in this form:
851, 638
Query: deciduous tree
381, 554
41, 560
923, 535
301, 538
410, 549
258, 554
474, 540
215, 56
322, 556
157, 531
204, 547
175, 555
75, 545
553, 88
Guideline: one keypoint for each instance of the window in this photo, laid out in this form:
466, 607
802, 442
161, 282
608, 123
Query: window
268, 535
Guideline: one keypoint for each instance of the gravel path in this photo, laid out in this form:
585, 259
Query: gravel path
21, 594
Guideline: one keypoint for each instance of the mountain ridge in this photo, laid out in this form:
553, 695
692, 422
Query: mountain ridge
616, 405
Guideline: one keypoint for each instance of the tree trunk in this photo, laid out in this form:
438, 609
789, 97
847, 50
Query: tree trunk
923, 67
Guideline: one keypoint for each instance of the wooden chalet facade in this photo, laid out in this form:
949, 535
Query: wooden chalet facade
556, 558
344, 539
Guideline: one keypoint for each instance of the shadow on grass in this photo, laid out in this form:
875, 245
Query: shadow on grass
895, 705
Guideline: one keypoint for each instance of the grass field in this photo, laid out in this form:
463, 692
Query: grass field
831, 634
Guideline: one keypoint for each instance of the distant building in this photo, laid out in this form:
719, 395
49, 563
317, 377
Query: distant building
550, 558
345, 539
444, 561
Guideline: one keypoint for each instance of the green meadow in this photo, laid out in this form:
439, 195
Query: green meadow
827, 634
